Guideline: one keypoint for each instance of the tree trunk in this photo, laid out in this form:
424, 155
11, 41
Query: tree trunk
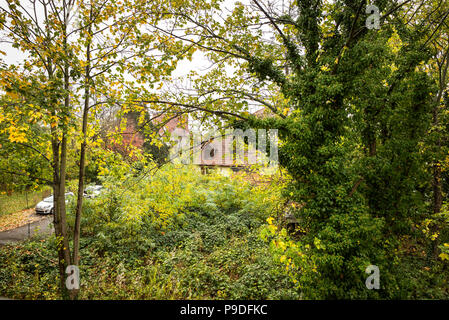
56, 211
436, 181
436, 186
82, 168
59, 150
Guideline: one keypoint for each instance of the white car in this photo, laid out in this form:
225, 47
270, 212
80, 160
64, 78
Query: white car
92, 191
46, 205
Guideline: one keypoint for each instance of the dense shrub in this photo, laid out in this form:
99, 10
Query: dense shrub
176, 234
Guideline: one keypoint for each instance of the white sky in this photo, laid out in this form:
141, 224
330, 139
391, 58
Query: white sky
199, 62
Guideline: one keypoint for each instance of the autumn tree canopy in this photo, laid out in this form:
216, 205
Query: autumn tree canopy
361, 111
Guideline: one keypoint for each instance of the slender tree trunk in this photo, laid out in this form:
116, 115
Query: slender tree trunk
436, 185
61, 209
436, 181
59, 168
59, 197
82, 167
59, 150
56, 210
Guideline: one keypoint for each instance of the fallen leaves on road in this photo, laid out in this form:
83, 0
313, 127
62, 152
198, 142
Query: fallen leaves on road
18, 219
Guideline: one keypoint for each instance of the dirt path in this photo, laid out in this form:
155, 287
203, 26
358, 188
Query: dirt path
41, 228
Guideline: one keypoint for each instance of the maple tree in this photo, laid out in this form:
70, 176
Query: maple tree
82, 57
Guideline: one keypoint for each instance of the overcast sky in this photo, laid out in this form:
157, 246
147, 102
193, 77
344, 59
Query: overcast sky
199, 62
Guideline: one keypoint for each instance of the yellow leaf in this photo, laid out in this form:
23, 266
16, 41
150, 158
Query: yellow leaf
15, 135
444, 256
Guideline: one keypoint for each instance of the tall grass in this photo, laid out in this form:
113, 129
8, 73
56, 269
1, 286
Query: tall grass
22, 200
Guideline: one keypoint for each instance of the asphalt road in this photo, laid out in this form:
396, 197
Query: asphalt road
39, 228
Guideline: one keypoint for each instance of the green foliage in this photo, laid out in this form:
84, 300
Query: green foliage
215, 244
203, 244
361, 107
18, 201
355, 109
29, 270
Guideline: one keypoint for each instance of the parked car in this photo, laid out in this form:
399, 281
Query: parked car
92, 191
46, 205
